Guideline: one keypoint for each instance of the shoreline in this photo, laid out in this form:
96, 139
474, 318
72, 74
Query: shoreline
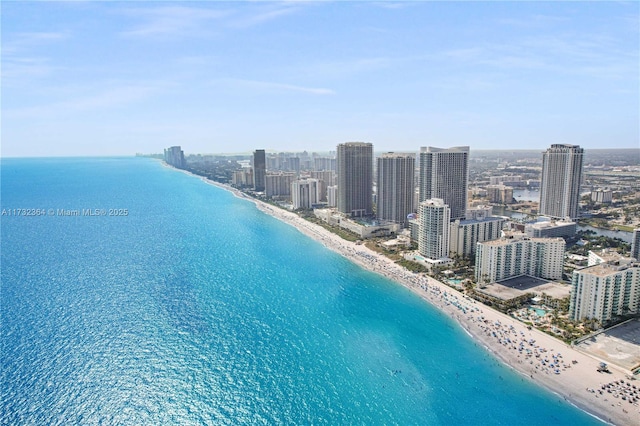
547, 362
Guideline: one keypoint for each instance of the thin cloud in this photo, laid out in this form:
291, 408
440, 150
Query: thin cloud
272, 87
172, 20
106, 99
262, 17
23, 41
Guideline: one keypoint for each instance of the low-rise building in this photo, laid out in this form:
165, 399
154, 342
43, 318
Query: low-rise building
550, 229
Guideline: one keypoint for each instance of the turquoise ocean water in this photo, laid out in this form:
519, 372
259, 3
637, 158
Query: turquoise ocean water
196, 308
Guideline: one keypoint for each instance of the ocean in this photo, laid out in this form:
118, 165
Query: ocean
135, 294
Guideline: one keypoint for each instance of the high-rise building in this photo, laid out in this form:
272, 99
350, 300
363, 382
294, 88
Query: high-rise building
304, 193
395, 187
560, 183
444, 174
433, 233
278, 184
175, 157
355, 178
635, 244
326, 179
259, 169
605, 291
464, 235
518, 254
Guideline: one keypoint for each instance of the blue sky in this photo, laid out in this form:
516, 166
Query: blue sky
115, 78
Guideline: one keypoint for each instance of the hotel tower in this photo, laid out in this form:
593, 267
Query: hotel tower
560, 182
354, 164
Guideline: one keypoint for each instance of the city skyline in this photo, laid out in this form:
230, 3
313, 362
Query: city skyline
111, 78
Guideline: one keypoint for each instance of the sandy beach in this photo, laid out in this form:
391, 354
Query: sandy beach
539, 357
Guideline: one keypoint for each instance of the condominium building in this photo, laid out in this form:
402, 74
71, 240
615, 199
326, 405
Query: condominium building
602, 196
500, 194
464, 235
444, 174
259, 170
304, 193
433, 234
605, 291
326, 179
278, 184
395, 183
516, 254
561, 176
635, 244
355, 178
175, 156
242, 178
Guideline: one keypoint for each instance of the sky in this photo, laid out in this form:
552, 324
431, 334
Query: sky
115, 78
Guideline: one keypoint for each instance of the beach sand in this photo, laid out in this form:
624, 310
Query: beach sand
539, 357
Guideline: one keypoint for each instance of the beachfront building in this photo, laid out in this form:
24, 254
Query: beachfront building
444, 174
278, 185
560, 186
395, 187
551, 228
605, 291
259, 170
304, 193
516, 254
355, 178
326, 178
464, 235
242, 178
433, 234
635, 244
332, 196
174, 156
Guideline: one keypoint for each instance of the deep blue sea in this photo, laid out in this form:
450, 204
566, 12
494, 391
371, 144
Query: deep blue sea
195, 308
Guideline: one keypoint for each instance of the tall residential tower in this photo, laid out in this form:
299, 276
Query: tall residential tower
355, 178
444, 174
259, 169
560, 182
395, 185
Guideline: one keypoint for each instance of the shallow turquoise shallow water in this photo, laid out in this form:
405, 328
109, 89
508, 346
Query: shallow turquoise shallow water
196, 308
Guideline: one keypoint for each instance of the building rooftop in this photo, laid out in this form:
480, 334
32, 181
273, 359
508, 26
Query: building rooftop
606, 269
523, 284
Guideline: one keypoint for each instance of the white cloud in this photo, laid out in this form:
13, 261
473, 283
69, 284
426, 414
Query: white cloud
271, 87
172, 20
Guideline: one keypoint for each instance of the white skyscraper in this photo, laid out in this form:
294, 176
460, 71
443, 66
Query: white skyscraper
560, 182
395, 187
444, 174
433, 235
355, 178
304, 193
